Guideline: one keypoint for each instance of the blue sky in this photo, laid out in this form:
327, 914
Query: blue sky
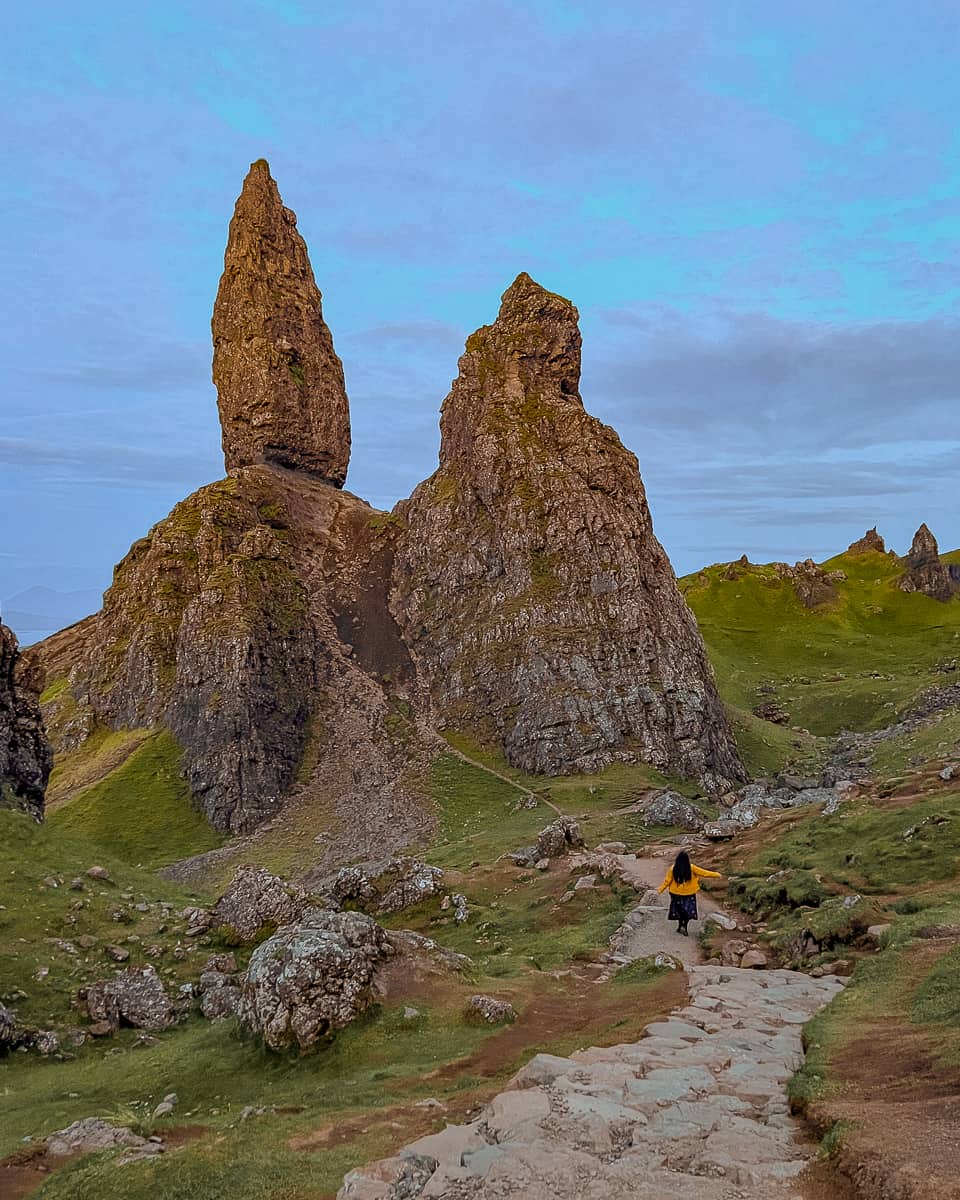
755, 207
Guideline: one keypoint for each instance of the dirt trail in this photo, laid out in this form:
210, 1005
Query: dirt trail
538, 797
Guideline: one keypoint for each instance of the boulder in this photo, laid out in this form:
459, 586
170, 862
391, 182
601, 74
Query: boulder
721, 831
925, 572
309, 979
670, 808
754, 958
383, 887
135, 996
89, 1136
255, 901
488, 1010
558, 837
399, 1178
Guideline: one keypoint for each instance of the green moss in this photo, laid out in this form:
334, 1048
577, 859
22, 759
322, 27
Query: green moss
55, 688
142, 812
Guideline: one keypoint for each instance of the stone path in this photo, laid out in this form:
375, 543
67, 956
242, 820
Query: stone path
696, 1109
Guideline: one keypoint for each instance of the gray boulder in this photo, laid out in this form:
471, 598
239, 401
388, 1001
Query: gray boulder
558, 837
312, 978
488, 1010
670, 808
90, 1135
134, 997
255, 901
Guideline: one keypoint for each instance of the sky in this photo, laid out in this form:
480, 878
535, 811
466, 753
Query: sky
755, 207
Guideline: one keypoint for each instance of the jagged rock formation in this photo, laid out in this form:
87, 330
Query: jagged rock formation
925, 572
279, 381
538, 606
813, 585
294, 640
870, 542
25, 754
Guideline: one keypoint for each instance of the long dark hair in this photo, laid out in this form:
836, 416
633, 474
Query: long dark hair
681, 868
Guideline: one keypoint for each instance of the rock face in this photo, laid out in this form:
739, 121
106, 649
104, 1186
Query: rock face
537, 604
870, 542
25, 754
925, 572
312, 978
279, 381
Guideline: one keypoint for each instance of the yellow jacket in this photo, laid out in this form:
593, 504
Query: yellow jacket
687, 889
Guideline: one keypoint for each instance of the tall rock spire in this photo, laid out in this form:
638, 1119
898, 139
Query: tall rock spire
279, 381
538, 605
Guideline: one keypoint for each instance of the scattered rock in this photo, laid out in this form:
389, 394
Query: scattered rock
952, 771
117, 953
487, 1010
9, 1038
312, 978
100, 873
876, 932
754, 959
461, 910
166, 1106
383, 887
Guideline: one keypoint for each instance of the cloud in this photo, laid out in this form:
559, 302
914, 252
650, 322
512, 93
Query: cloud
95, 464
756, 382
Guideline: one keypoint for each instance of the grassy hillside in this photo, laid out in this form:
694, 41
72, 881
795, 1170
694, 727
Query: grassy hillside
853, 664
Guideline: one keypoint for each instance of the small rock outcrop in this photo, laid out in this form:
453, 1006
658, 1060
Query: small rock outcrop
279, 381
538, 606
870, 543
256, 900
312, 978
925, 572
813, 585
488, 1010
25, 754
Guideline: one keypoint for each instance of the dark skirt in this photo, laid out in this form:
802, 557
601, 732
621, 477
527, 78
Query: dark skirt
682, 908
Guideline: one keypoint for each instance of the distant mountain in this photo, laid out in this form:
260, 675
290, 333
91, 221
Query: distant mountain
37, 612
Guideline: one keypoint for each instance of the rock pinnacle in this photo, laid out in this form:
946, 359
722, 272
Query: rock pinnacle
279, 381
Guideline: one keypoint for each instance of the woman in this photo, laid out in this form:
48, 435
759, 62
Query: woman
683, 880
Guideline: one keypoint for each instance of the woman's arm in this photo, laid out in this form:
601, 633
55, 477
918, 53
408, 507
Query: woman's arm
668, 879
705, 874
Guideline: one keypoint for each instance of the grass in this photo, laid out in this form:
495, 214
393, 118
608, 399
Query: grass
142, 811
94, 759
38, 977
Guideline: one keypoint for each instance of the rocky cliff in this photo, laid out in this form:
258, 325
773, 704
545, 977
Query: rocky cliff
538, 606
25, 755
292, 638
279, 381
925, 572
